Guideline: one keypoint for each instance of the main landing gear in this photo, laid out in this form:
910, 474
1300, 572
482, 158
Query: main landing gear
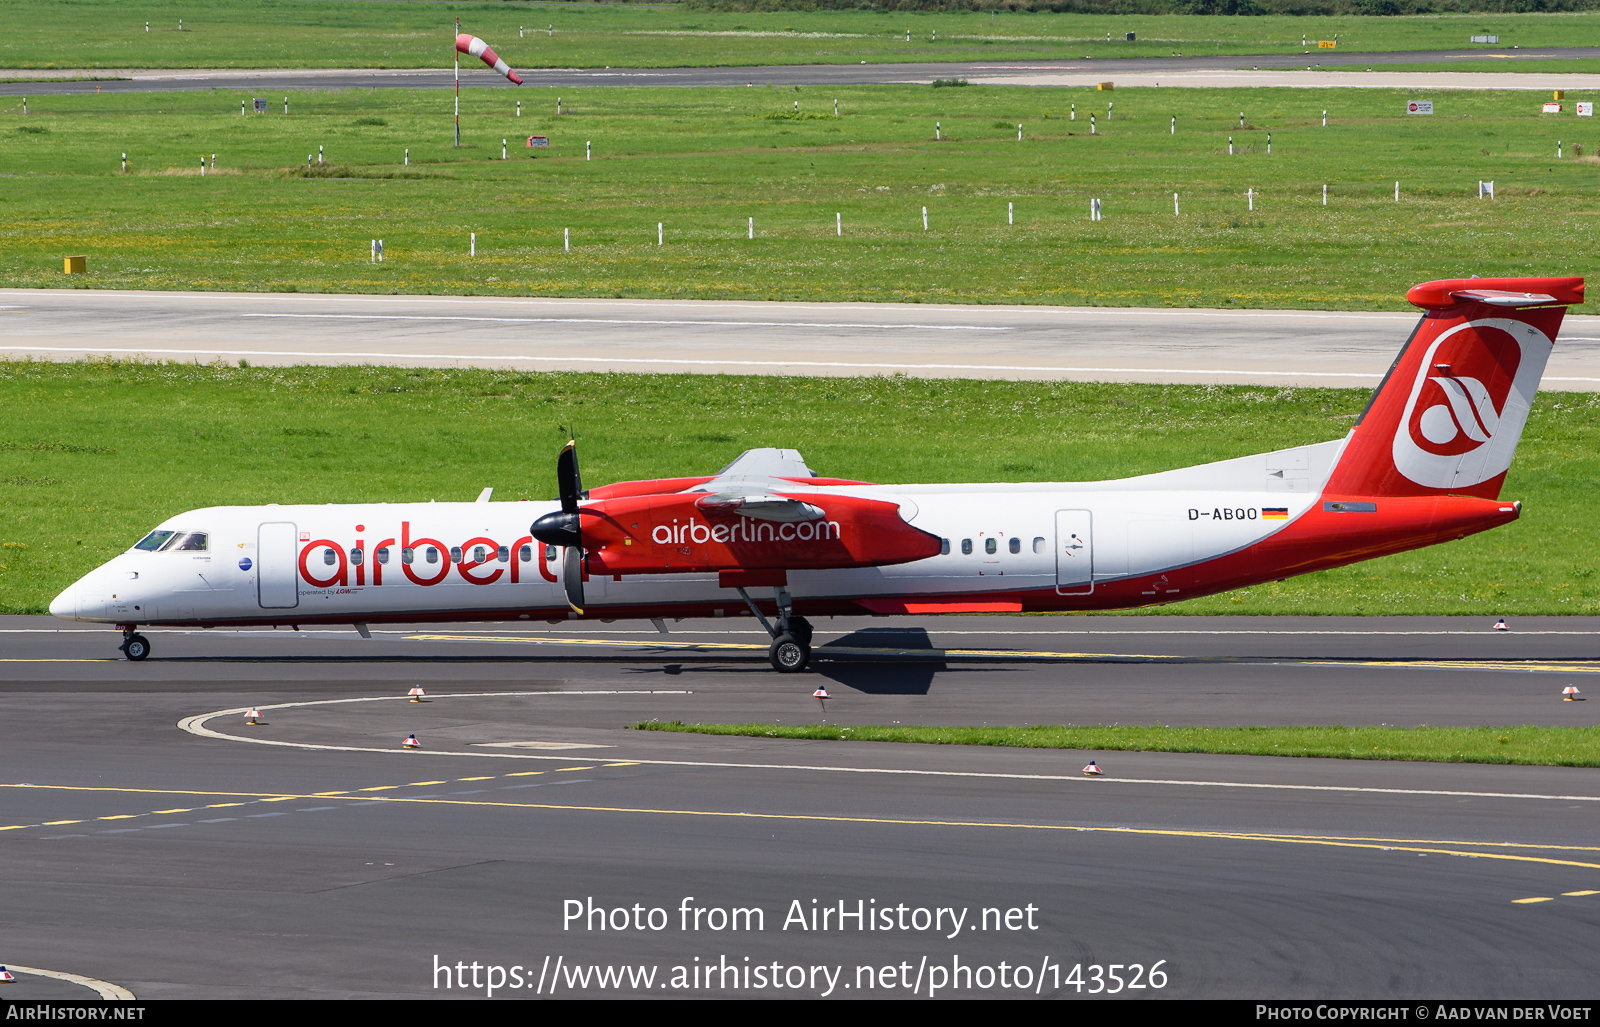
134, 645
791, 637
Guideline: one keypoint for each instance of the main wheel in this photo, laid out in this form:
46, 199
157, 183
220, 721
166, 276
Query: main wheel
788, 655
802, 630
136, 648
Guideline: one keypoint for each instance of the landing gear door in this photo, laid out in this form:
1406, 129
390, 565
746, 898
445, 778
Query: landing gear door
277, 584
1074, 552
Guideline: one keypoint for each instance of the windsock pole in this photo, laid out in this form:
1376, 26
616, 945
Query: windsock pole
458, 87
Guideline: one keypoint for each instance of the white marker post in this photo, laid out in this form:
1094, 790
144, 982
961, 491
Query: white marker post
519, 108
1230, 146
1269, 144
836, 108
373, 256
1074, 112
1019, 132
147, 26
474, 251
660, 237
558, 106
1250, 195
1324, 195
380, 251
1174, 126
1397, 192
752, 228
838, 225
319, 155
588, 150
241, 108
566, 235
1324, 119
1091, 125
1011, 213
1241, 119
502, 149
924, 219
286, 105
408, 156
938, 131
1558, 149
213, 162
202, 167
1174, 204
124, 162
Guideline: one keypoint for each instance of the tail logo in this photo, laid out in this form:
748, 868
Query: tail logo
1469, 403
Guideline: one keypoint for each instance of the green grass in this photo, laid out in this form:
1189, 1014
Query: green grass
702, 161
1539, 746
92, 455
311, 34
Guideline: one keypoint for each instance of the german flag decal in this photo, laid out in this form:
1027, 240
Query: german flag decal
1274, 513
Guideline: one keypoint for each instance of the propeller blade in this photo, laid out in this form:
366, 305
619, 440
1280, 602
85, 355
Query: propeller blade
572, 577
567, 477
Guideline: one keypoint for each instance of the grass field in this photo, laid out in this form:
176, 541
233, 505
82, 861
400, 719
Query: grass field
93, 455
702, 161
401, 34
1525, 744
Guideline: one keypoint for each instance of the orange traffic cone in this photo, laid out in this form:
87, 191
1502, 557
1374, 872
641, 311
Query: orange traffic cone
1092, 770
411, 742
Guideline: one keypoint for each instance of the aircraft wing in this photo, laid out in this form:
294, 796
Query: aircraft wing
761, 464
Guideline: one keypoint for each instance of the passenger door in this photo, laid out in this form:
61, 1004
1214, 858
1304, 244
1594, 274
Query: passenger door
277, 579
1074, 552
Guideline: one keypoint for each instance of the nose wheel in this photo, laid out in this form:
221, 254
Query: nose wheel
134, 646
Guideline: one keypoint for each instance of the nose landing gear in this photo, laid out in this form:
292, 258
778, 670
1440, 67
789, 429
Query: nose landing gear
134, 645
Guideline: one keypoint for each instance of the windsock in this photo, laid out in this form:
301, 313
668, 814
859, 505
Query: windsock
479, 49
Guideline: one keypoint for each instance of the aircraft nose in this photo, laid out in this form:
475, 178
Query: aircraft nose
65, 605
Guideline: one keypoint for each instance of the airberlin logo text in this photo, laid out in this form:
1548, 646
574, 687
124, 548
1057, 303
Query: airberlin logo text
743, 530
325, 563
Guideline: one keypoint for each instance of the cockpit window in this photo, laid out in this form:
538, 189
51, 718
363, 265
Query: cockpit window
173, 542
155, 540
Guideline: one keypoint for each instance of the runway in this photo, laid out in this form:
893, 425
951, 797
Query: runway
1283, 348
154, 842
1192, 70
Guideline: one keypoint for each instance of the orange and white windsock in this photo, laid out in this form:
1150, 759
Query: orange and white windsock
479, 49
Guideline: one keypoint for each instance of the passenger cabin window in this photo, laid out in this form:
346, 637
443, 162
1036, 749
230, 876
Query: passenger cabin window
155, 540
329, 557
432, 555
503, 554
1016, 545
944, 547
383, 554
549, 554
455, 554
966, 547
357, 557
479, 554
1038, 544
408, 555
989, 546
525, 554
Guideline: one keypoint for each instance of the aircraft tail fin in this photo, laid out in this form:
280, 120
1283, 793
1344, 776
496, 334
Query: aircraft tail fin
1446, 419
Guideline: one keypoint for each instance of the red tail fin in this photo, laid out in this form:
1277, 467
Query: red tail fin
1447, 418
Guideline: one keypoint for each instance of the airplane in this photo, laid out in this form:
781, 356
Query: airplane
1424, 464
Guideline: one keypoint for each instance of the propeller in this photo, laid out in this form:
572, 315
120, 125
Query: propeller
561, 528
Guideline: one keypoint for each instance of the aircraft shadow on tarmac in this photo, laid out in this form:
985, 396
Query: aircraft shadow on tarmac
892, 673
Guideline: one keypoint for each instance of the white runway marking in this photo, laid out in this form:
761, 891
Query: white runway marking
107, 991
196, 725
638, 321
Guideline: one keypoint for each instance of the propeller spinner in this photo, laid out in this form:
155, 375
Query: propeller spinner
560, 527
